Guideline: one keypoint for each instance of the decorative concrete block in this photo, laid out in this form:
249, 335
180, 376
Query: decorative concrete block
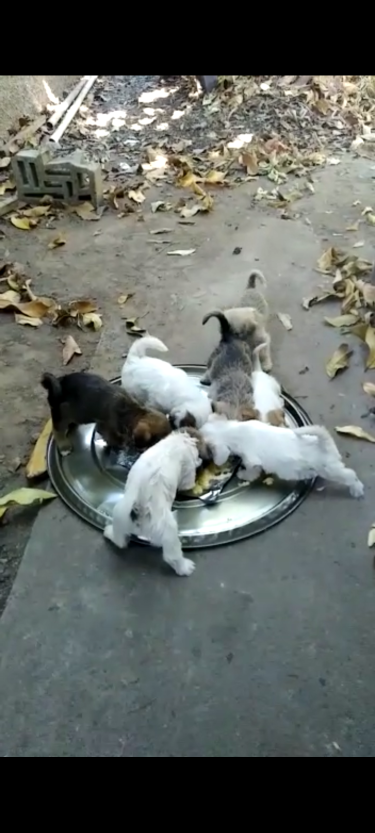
69, 178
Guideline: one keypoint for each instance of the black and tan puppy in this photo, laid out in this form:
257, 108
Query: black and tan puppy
83, 398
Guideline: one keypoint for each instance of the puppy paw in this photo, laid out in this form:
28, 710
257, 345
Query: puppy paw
357, 490
185, 567
108, 533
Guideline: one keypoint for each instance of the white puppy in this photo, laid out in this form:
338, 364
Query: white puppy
288, 453
267, 398
160, 385
145, 510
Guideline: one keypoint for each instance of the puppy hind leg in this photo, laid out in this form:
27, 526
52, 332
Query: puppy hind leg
265, 354
119, 531
249, 473
172, 550
346, 477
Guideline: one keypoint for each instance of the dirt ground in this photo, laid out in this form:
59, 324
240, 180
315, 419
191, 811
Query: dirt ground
117, 254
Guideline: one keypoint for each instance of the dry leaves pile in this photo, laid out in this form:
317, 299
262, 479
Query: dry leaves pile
357, 317
33, 310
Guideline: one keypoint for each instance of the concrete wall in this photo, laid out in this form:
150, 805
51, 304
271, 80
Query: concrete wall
26, 95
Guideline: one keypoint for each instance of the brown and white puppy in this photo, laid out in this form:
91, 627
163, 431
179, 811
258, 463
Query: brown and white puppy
83, 398
249, 322
229, 369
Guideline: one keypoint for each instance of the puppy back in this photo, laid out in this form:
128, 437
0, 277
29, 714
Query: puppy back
225, 326
51, 384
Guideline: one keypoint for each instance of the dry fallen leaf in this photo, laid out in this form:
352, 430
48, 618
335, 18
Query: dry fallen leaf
359, 244
33, 309
369, 388
285, 320
82, 307
92, 319
23, 223
347, 320
9, 185
182, 252
25, 319
133, 328
57, 242
158, 205
70, 349
187, 212
86, 211
371, 537
339, 360
136, 196
9, 297
37, 465
123, 299
5, 162
250, 161
355, 431
327, 260
307, 303
370, 341
24, 497
368, 292
37, 211
354, 227
214, 178
160, 230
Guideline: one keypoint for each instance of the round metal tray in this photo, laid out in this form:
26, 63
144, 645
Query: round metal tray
91, 481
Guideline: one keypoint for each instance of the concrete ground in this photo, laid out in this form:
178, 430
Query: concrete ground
266, 651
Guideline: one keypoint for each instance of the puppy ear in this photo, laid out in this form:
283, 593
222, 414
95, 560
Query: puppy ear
51, 384
247, 413
188, 421
141, 434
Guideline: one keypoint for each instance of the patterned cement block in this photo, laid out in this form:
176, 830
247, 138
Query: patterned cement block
70, 178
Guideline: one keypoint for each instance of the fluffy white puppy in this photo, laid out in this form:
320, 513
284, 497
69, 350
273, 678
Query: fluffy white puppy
288, 453
145, 510
169, 388
267, 398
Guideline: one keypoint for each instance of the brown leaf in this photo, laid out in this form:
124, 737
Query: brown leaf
82, 307
354, 227
37, 465
343, 320
368, 292
158, 205
33, 309
36, 211
214, 178
133, 328
8, 298
24, 319
285, 320
307, 303
339, 360
327, 260
359, 244
86, 211
92, 319
369, 388
9, 185
355, 431
160, 230
191, 211
182, 252
70, 349
250, 161
4, 162
370, 341
123, 299
24, 497
23, 223
57, 242
137, 196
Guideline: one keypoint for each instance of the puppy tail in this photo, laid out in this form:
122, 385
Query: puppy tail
256, 357
326, 442
51, 384
226, 329
255, 275
139, 348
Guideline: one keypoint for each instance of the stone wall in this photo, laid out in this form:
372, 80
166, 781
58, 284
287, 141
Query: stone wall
26, 95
